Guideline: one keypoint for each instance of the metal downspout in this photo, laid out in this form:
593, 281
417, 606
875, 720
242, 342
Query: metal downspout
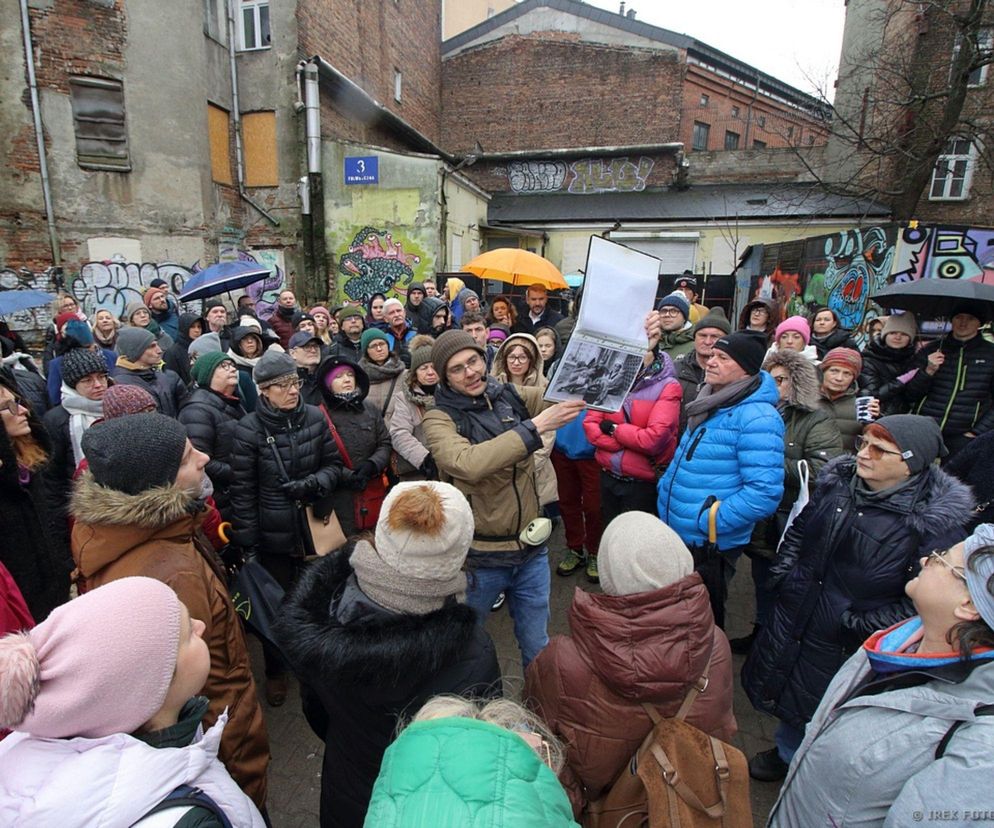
239, 158
46, 189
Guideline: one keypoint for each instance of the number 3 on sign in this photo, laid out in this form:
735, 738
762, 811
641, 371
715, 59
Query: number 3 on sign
361, 165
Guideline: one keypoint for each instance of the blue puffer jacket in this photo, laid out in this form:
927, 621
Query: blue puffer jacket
571, 440
736, 455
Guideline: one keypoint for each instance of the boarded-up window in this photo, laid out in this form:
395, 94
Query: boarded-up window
259, 137
98, 120
217, 126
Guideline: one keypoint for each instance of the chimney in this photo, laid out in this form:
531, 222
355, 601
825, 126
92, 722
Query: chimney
630, 14
622, 9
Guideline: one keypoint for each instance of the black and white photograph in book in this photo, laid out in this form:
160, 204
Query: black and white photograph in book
597, 373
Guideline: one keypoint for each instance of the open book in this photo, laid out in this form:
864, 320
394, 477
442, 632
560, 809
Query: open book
605, 352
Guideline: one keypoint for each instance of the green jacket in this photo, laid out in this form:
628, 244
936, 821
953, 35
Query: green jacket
455, 771
678, 342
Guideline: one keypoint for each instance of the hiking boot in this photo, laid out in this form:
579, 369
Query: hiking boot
498, 603
571, 562
768, 766
592, 575
276, 690
741, 646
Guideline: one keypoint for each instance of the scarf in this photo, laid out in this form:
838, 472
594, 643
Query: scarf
353, 399
82, 414
242, 361
393, 367
709, 400
422, 397
895, 649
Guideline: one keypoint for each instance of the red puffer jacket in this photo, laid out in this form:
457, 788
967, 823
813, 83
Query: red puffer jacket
626, 649
648, 426
14, 614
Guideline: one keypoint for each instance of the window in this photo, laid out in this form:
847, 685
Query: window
253, 24
705, 100
731, 140
98, 120
953, 171
735, 112
215, 22
259, 137
759, 144
219, 131
398, 84
761, 120
790, 132
978, 77
701, 133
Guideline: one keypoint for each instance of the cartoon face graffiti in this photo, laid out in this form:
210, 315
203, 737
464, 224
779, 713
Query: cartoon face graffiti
373, 267
848, 298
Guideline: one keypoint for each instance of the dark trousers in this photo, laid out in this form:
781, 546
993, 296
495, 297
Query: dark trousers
619, 496
285, 570
579, 501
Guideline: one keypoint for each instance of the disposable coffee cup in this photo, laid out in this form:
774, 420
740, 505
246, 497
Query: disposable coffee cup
863, 404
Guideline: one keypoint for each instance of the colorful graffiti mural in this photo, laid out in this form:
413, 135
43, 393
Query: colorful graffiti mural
844, 270
377, 262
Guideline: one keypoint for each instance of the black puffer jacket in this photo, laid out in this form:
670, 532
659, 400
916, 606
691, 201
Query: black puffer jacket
839, 338
364, 433
882, 365
264, 516
364, 675
841, 575
166, 386
34, 540
176, 357
958, 396
211, 419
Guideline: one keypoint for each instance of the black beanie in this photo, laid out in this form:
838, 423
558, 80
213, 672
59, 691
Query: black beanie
745, 348
135, 453
918, 438
81, 362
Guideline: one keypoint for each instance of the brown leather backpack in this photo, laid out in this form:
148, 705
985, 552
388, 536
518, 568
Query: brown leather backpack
677, 769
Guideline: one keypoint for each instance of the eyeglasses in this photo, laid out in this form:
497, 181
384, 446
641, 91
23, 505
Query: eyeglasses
13, 406
781, 380
287, 384
940, 557
474, 363
670, 312
93, 379
874, 450
378, 343
517, 358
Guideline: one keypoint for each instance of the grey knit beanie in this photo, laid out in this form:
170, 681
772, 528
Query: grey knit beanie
715, 318
640, 553
273, 365
918, 438
422, 538
81, 362
133, 342
135, 453
204, 344
448, 345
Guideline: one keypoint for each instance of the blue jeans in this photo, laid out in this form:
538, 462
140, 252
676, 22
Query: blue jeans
527, 590
788, 739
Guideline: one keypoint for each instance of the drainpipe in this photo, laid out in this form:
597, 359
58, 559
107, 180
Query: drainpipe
239, 158
315, 251
46, 188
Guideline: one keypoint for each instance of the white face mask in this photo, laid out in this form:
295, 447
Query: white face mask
206, 488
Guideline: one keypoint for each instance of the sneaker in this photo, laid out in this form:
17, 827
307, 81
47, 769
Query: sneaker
498, 603
768, 766
276, 690
741, 646
592, 575
571, 562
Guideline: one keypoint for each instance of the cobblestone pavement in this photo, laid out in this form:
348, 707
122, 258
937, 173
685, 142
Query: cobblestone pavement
295, 774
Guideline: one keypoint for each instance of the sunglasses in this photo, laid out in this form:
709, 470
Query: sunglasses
13, 406
874, 450
937, 556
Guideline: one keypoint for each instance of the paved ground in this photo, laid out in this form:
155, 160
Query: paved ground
295, 775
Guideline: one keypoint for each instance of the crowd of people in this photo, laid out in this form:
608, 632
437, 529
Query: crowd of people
147, 458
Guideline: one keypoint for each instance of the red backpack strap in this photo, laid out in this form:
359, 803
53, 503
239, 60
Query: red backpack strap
338, 439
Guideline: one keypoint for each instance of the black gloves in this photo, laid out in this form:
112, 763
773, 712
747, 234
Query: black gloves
607, 427
429, 469
305, 490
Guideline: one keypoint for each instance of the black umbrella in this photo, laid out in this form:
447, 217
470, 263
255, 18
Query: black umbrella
936, 298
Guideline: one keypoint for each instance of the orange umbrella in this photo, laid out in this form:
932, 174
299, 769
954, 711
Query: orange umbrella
517, 267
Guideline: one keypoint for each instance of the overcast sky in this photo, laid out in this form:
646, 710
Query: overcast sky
797, 41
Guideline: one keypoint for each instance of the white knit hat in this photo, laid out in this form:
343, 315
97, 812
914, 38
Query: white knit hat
640, 553
900, 323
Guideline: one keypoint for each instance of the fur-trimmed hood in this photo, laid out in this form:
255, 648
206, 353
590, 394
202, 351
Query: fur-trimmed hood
385, 655
110, 523
939, 502
804, 379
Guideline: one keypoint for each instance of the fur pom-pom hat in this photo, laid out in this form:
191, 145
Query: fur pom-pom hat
100, 664
422, 539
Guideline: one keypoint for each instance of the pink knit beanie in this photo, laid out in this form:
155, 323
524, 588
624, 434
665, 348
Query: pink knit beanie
100, 664
794, 323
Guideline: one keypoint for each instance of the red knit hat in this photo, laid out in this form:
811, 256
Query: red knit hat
844, 358
122, 400
150, 294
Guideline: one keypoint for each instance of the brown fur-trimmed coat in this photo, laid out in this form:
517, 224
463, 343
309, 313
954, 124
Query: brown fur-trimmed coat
155, 534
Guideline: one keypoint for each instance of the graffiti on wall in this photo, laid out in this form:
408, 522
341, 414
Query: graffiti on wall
30, 322
586, 176
843, 270
376, 262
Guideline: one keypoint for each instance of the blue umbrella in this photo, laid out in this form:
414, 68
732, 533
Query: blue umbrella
222, 277
12, 301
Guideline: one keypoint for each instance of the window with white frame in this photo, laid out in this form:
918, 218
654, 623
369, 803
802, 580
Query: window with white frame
985, 42
953, 171
253, 24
